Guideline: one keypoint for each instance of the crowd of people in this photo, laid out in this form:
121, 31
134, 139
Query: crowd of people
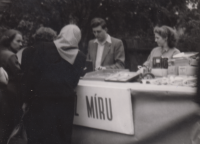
43, 82
42, 77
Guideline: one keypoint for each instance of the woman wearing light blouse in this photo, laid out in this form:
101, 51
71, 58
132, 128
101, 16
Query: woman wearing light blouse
165, 39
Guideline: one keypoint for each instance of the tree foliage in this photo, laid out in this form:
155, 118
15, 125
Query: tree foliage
189, 22
126, 19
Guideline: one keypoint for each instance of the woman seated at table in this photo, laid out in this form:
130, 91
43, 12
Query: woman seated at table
165, 39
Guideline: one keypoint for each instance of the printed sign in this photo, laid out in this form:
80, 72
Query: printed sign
105, 108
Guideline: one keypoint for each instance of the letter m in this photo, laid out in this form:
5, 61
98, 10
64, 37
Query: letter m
90, 107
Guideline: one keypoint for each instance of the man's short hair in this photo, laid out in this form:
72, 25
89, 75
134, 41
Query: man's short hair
98, 22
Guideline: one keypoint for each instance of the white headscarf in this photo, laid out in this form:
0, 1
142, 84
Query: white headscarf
67, 42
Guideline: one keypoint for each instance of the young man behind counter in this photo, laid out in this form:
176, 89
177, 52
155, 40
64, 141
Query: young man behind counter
105, 52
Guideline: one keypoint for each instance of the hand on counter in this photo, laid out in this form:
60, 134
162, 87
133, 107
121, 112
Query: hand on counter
141, 70
100, 68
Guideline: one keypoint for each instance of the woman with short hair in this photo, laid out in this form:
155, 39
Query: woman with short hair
42, 34
10, 44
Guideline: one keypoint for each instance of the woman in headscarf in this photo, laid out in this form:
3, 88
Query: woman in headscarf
49, 88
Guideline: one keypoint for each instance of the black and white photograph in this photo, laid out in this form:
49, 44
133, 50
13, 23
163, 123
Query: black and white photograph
99, 72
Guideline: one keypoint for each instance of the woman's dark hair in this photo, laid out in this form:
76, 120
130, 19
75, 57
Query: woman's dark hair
8, 37
44, 34
167, 32
98, 22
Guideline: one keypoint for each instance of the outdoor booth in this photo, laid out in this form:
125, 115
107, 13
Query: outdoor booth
112, 108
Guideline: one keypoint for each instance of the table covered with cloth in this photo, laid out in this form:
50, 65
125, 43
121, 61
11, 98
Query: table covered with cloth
161, 115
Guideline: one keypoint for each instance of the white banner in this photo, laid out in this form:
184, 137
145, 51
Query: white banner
105, 108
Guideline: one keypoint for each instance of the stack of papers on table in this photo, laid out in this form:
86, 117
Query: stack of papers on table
122, 77
188, 81
185, 58
182, 62
186, 55
102, 74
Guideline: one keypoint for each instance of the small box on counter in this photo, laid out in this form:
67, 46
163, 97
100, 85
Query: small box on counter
187, 70
184, 64
172, 70
193, 62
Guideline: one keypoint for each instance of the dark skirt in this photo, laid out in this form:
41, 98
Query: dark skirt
50, 120
9, 111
